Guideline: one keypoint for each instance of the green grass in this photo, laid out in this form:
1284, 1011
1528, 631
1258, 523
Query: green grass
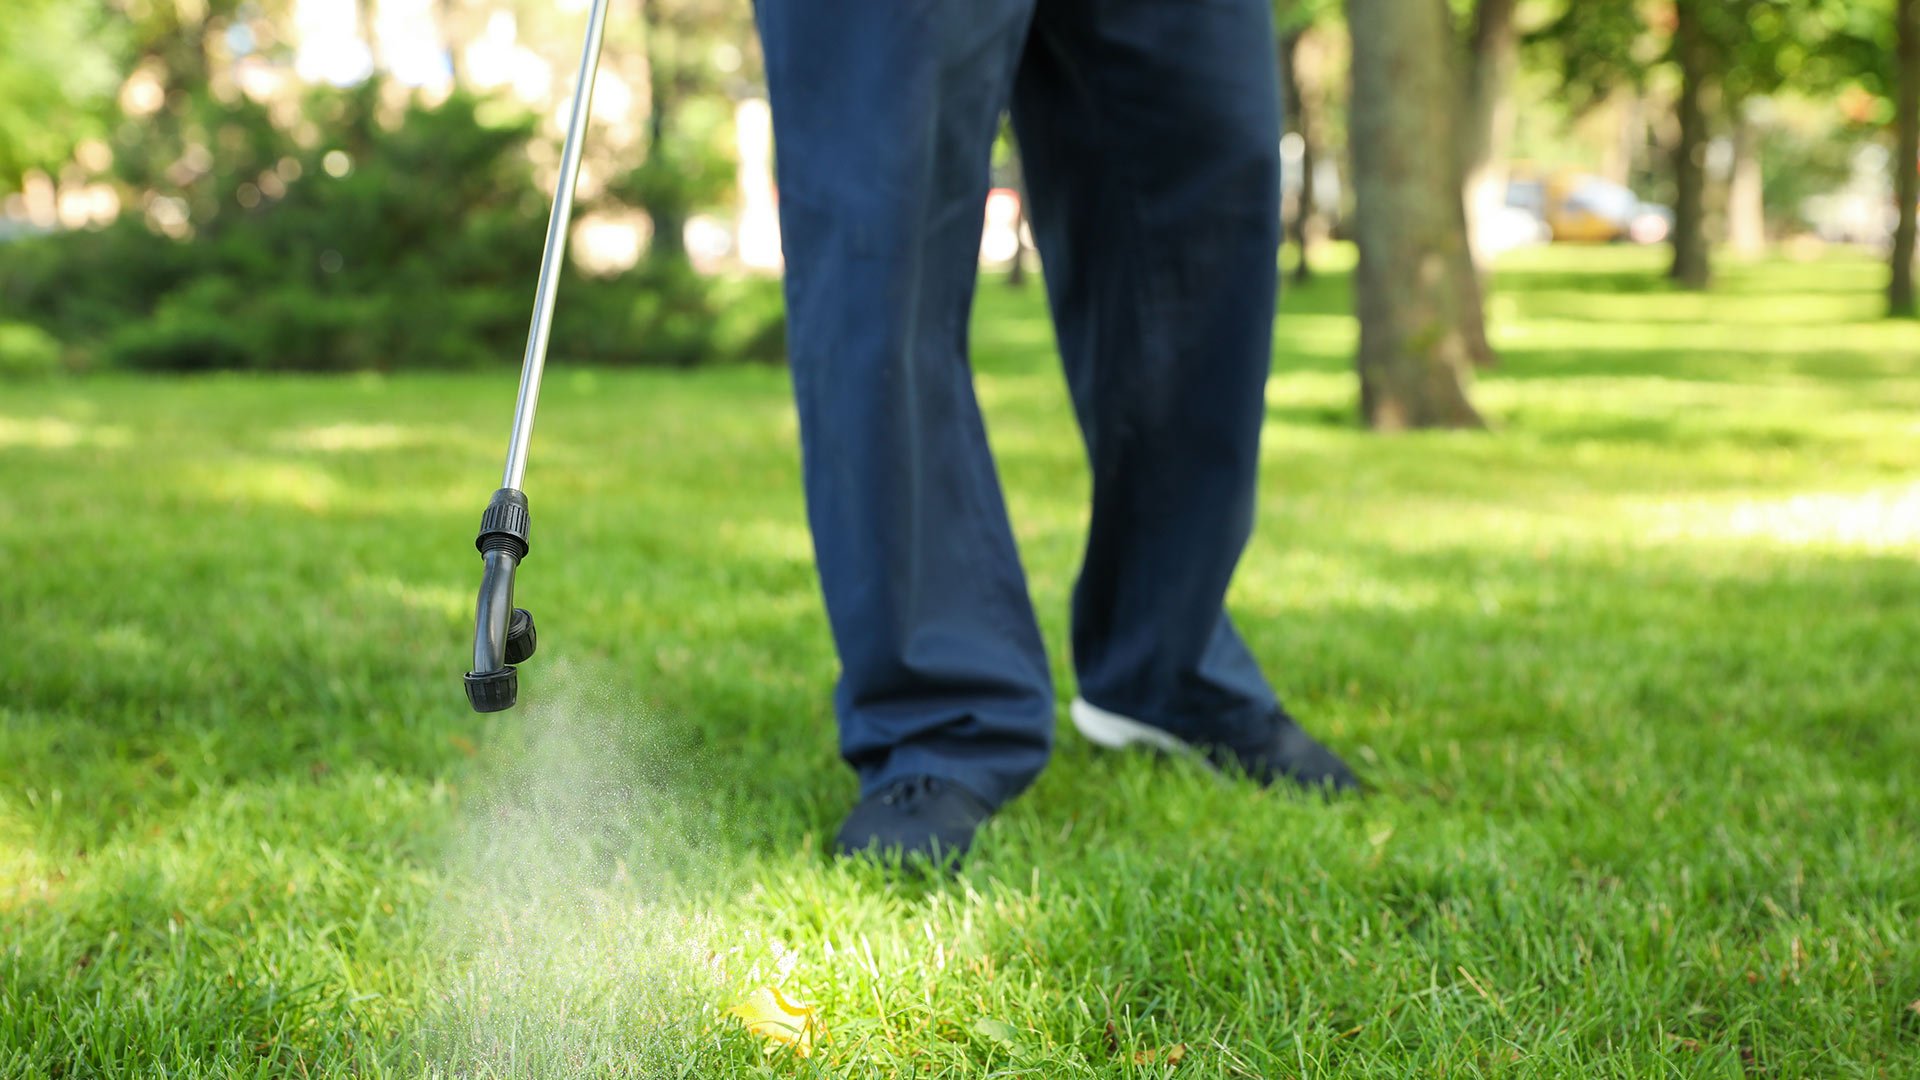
1635, 676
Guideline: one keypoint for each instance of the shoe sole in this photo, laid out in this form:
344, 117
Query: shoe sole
1111, 731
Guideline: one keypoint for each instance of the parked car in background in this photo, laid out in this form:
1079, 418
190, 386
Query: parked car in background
1580, 208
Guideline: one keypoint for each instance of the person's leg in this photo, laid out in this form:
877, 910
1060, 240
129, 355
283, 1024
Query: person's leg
1150, 134
884, 117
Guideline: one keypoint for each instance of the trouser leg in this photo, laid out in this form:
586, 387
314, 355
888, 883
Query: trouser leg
1149, 132
884, 117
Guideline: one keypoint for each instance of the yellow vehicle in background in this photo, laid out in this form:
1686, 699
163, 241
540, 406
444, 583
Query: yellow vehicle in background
1581, 208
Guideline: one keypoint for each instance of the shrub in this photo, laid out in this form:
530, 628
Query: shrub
27, 351
664, 313
413, 244
80, 286
179, 344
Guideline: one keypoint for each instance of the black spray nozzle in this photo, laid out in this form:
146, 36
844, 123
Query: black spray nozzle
503, 635
521, 640
493, 691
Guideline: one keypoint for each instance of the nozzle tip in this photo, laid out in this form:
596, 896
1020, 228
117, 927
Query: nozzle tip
493, 691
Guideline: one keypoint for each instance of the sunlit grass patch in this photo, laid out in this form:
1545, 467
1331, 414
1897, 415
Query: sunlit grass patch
346, 437
54, 433
1880, 519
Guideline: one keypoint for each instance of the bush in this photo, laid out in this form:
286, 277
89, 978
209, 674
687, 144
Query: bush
664, 313
402, 246
81, 286
188, 343
27, 351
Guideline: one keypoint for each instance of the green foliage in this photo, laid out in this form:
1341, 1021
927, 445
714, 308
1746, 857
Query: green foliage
1799, 161
1860, 41
1596, 46
1776, 45
382, 245
27, 350
1295, 15
687, 168
81, 285
1757, 46
56, 83
186, 336
665, 313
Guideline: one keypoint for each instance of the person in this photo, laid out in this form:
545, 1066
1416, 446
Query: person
1149, 132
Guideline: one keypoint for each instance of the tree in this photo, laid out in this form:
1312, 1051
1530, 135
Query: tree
1482, 130
451, 22
1470, 306
56, 84
1873, 51
1746, 194
1605, 45
1015, 177
1487, 120
1294, 46
1304, 28
1906, 156
1775, 48
1414, 360
687, 166
1693, 53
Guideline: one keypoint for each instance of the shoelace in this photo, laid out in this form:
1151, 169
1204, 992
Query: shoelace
909, 793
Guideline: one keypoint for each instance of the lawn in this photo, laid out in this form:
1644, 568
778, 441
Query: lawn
1634, 675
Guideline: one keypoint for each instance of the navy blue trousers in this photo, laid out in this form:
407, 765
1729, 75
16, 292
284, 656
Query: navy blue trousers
1149, 131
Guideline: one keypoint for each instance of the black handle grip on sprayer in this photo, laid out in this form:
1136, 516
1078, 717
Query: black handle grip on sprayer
503, 635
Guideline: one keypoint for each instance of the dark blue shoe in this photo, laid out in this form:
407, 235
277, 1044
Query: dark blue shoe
918, 818
1280, 750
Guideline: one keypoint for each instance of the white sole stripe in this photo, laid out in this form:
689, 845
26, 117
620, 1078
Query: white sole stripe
1116, 732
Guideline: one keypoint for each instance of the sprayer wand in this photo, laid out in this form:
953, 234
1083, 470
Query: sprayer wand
503, 635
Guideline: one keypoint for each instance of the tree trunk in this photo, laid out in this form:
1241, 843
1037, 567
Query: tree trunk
1475, 139
446, 13
669, 217
664, 205
1017, 273
1622, 150
1694, 51
1486, 129
1469, 270
1906, 158
1307, 127
1746, 199
1413, 359
364, 12
1466, 277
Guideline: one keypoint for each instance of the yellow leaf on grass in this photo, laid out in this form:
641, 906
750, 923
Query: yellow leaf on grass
771, 1015
1165, 1055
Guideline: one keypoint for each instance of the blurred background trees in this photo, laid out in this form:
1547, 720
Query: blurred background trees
252, 186
1906, 150
55, 89
361, 184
